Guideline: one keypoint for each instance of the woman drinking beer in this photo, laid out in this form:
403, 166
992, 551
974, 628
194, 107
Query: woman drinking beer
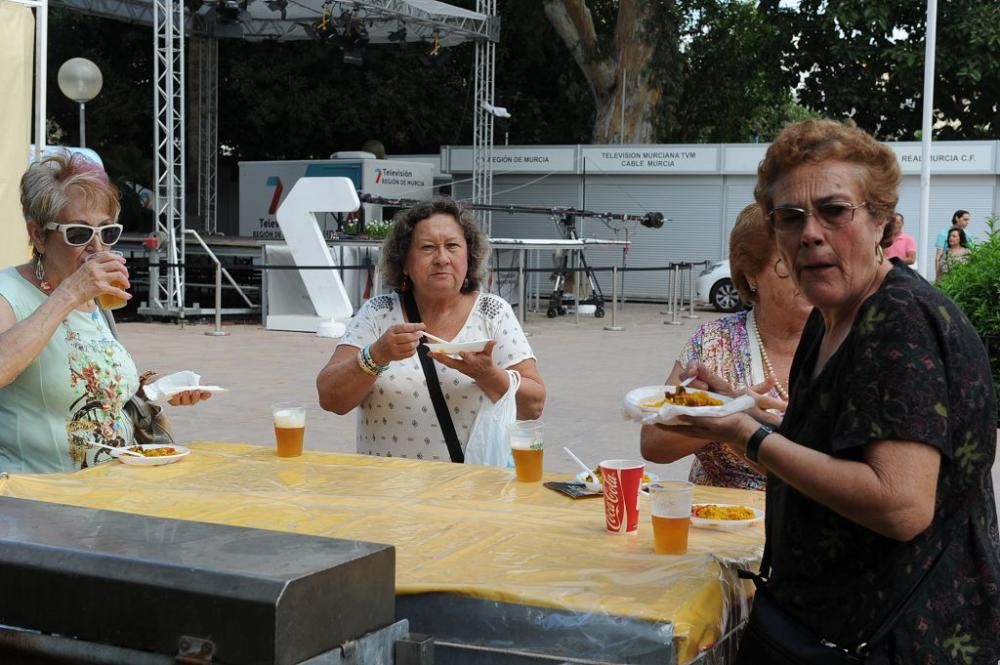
434, 259
64, 378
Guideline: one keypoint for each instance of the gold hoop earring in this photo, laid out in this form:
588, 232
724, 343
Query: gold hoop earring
776, 272
879, 255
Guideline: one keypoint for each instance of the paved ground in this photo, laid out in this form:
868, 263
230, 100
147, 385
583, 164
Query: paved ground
587, 370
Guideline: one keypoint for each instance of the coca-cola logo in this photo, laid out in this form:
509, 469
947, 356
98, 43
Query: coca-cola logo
613, 508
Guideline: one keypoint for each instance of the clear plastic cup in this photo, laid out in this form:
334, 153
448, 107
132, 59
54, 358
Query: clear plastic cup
670, 503
109, 301
289, 428
526, 445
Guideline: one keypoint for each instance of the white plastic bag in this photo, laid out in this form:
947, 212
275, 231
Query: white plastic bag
489, 442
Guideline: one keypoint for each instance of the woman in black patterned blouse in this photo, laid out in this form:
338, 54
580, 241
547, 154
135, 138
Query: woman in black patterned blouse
880, 501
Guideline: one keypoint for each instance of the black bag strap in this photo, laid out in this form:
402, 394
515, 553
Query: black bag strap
434, 385
880, 633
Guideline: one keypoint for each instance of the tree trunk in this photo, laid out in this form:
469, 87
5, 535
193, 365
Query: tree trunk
608, 75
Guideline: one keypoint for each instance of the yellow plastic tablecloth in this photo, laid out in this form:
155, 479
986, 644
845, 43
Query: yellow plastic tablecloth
460, 529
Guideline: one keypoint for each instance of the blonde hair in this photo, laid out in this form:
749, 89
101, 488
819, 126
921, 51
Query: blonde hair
751, 246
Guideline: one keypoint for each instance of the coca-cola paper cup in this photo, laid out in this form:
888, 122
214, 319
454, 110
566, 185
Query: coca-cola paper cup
622, 479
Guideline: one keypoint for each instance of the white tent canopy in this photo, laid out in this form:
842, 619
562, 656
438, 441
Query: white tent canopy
279, 20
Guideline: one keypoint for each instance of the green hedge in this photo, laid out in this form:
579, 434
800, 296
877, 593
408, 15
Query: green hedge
974, 285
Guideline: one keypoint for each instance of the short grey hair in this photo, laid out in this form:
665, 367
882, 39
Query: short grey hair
46, 186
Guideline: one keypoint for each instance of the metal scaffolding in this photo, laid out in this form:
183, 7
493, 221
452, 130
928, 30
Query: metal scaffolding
166, 296
205, 109
427, 21
482, 129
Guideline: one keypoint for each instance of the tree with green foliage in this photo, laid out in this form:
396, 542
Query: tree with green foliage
693, 70
612, 43
729, 87
865, 60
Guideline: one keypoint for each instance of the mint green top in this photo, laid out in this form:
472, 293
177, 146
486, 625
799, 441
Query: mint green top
74, 390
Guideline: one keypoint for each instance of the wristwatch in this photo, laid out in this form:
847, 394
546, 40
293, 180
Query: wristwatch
757, 438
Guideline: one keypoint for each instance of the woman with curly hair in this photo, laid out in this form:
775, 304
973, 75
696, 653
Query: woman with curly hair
434, 259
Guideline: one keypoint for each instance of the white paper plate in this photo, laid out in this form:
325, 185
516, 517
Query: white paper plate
171, 392
132, 460
453, 348
596, 485
635, 406
725, 525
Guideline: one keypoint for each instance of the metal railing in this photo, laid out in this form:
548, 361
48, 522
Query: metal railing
219, 272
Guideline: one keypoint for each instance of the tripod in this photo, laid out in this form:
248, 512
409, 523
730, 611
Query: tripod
556, 307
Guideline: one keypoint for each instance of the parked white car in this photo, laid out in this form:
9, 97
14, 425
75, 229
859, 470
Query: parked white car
715, 287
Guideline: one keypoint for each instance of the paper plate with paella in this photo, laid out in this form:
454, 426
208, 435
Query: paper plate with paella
151, 454
724, 516
653, 405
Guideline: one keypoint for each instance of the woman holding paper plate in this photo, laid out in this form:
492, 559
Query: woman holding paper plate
434, 259
881, 518
751, 348
64, 378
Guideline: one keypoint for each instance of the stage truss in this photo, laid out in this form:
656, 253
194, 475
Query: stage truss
429, 21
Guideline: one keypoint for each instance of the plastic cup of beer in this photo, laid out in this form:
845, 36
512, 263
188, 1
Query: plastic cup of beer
671, 509
109, 301
289, 428
526, 447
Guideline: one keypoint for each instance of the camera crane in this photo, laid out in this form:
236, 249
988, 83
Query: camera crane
567, 219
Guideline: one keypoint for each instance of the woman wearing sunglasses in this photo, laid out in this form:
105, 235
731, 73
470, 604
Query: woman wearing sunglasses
881, 519
64, 378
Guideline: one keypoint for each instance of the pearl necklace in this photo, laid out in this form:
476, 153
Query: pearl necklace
768, 368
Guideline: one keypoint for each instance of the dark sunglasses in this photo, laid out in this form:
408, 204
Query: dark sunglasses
833, 215
79, 235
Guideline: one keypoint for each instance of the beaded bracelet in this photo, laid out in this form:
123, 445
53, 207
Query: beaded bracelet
368, 364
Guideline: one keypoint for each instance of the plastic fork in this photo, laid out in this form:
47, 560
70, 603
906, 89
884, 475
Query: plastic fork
434, 338
576, 459
123, 450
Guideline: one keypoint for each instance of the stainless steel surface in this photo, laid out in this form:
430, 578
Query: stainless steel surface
375, 648
144, 583
614, 327
474, 631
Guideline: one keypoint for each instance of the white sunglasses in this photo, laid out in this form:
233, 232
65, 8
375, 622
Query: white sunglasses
79, 235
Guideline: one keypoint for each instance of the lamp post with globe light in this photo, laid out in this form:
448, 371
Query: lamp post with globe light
80, 80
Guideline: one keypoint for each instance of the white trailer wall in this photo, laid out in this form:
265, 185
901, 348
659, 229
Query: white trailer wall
699, 190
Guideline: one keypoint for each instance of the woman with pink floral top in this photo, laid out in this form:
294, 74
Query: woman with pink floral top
750, 349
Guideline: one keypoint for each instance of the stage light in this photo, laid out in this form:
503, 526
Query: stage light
230, 10
398, 35
193, 5
278, 6
353, 38
322, 28
436, 55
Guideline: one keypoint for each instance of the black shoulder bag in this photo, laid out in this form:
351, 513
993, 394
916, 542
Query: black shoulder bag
434, 385
773, 636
